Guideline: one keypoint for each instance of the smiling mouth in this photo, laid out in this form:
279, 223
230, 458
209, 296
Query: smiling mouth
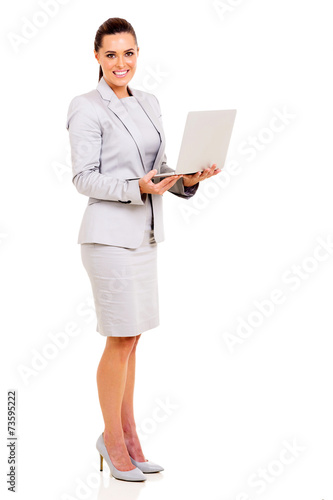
120, 74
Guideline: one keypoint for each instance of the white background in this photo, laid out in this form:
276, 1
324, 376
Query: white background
215, 416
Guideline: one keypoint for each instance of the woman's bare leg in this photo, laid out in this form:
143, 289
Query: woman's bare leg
127, 412
111, 381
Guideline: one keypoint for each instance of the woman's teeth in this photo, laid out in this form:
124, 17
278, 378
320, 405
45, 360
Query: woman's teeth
120, 73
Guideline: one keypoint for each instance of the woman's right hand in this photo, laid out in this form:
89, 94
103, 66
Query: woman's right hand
147, 186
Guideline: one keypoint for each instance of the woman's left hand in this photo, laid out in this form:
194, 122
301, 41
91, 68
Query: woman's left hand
190, 180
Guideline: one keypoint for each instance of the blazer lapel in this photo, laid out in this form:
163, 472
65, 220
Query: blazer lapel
116, 107
143, 101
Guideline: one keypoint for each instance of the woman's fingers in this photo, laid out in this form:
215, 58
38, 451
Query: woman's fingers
146, 181
148, 177
209, 171
169, 180
167, 183
147, 185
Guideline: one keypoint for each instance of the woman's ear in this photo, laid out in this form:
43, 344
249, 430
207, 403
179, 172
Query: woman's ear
96, 56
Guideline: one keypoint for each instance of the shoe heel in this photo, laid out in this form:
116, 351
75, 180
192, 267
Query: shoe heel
125, 475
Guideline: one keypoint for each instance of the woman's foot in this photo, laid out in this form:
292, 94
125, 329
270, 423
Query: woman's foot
133, 445
117, 451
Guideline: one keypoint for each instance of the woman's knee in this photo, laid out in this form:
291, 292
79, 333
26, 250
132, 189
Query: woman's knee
123, 345
137, 340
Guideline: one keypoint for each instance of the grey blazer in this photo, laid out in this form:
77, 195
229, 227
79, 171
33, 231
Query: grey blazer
107, 151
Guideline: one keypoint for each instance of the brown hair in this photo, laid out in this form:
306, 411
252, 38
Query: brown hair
110, 27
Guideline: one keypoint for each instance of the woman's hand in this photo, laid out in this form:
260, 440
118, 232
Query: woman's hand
190, 180
147, 186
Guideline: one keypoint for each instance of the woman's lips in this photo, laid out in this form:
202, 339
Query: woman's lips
121, 74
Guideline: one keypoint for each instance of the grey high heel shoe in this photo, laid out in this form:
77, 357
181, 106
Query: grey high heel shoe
125, 475
147, 467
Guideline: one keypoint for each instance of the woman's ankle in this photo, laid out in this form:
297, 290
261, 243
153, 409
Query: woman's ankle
129, 428
113, 434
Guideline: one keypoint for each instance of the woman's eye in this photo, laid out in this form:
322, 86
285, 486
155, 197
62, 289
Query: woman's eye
113, 55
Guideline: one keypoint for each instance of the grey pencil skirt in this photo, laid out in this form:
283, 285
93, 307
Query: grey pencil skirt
124, 286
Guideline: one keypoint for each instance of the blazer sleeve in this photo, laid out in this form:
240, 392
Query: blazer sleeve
178, 188
85, 137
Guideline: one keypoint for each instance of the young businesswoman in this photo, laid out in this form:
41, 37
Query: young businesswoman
116, 133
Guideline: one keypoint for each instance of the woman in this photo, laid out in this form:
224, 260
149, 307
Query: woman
116, 135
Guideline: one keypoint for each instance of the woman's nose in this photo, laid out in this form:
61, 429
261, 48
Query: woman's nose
120, 62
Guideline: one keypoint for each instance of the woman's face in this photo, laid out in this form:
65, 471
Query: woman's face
118, 57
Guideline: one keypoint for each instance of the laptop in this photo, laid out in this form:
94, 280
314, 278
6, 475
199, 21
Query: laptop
205, 141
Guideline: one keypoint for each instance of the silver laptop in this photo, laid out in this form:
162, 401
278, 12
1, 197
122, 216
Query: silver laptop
205, 141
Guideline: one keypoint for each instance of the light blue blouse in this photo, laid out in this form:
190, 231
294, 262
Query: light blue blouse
151, 140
